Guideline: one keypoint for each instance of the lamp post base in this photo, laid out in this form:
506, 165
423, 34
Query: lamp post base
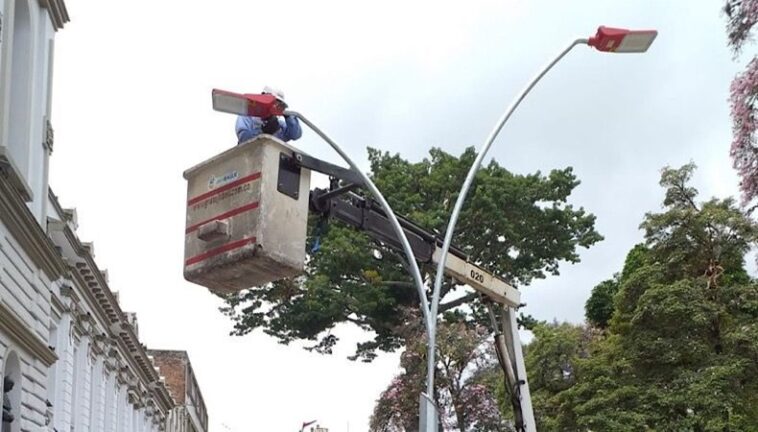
428, 419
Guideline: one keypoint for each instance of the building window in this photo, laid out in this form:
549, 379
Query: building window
11, 381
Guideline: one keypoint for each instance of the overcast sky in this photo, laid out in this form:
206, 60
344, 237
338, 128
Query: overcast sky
132, 110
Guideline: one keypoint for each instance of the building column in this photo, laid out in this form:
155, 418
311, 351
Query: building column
65, 387
97, 401
83, 385
111, 395
122, 408
112, 392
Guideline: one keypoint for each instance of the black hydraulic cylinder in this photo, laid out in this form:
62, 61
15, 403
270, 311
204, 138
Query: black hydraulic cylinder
368, 216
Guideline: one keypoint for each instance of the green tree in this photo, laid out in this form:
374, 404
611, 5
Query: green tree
599, 307
551, 366
681, 352
518, 226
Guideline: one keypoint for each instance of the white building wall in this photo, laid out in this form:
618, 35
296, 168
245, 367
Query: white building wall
24, 287
89, 395
25, 77
39, 111
86, 393
23, 292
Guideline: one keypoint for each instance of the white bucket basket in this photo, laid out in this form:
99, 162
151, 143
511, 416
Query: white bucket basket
247, 214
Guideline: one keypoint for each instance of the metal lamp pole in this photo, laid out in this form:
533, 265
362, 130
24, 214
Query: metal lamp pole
429, 417
610, 40
257, 105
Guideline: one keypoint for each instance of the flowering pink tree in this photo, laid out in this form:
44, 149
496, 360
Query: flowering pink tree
466, 366
742, 16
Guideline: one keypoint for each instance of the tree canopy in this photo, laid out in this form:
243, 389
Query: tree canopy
679, 349
520, 227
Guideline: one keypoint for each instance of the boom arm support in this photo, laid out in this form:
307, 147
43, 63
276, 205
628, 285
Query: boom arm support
367, 216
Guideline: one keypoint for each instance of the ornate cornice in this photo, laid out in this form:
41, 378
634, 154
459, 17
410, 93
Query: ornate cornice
96, 292
122, 376
81, 321
110, 364
99, 344
96, 347
9, 172
25, 337
58, 306
16, 216
56, 10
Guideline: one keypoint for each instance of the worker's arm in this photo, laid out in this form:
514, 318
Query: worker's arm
247, 128
292, 130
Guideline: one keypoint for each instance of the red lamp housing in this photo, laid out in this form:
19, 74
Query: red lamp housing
257, 105
618, 40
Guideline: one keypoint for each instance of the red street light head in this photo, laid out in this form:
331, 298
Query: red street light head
618, 40
257, 105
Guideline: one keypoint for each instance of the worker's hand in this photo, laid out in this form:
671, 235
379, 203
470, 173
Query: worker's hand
270, 125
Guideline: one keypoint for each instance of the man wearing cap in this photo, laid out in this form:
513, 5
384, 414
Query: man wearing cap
286, 129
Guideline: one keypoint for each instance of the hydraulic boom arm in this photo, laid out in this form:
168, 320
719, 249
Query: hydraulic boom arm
369, 217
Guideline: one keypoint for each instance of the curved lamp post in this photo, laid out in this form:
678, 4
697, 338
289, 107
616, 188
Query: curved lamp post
607, 40
264, 105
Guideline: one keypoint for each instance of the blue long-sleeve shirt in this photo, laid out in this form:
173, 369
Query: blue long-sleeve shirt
250, 127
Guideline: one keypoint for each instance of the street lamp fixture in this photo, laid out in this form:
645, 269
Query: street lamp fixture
609, 39
258, 105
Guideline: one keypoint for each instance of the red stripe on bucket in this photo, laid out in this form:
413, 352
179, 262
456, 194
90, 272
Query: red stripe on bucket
230, 213
219, 250
243, 180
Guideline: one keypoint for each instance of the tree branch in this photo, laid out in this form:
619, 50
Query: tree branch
446, 288
457, 302
358, 322
399, 283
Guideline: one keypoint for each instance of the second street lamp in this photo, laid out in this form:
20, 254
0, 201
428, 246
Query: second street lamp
607, 39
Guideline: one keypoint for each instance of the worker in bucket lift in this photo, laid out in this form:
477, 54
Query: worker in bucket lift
286, 129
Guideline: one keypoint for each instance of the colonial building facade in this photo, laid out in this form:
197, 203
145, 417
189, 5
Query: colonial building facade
103, 379
70, 358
